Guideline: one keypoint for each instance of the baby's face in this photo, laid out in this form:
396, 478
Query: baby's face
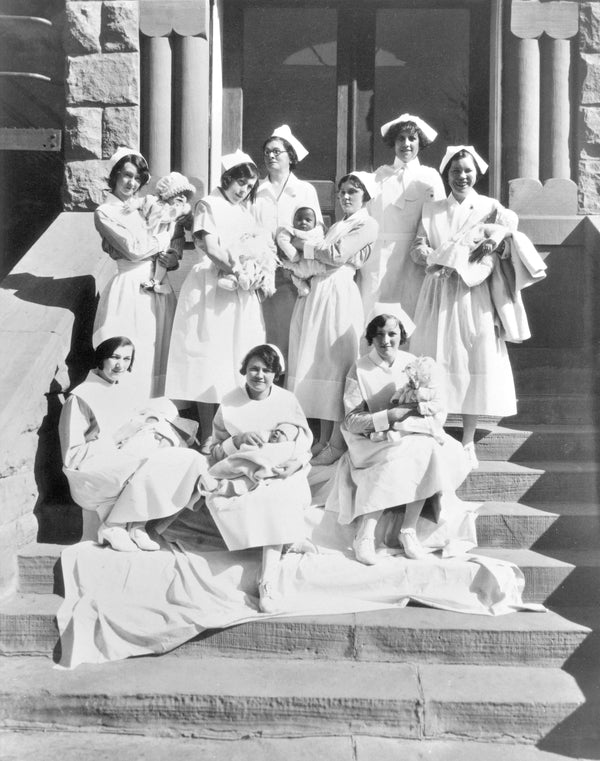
277, 435
181, 198
305, 219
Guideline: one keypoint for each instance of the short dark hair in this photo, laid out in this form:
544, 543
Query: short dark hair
288, 148
268, 355
244, 171
390, 136
356, 183
107, 348
462, 154
139, 162
379, 322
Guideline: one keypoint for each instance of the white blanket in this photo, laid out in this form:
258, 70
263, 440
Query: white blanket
123, 604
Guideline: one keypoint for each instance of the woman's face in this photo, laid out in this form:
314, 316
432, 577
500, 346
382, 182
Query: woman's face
276, 157
239, 189
118, 363
462, 176
406, 146
387, 340
259, 378
351, 198
128, 182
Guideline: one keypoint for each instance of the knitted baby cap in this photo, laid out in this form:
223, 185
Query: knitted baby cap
173, 184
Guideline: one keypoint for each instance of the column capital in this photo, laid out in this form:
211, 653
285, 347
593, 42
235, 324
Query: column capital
188, 18
557, 18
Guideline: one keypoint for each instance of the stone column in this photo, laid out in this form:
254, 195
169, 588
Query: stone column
555, 109
157, 103
194, 124
527, 104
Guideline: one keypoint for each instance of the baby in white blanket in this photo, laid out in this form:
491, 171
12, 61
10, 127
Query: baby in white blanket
244, 470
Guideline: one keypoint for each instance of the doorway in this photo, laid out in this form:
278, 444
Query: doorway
336, 71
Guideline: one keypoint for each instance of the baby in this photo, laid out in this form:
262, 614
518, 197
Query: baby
162, 213
475, 246
304, 227
242, 471
149, 429
421, 390
254, 262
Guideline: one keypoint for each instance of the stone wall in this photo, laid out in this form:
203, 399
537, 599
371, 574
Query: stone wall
588, 92
101, 46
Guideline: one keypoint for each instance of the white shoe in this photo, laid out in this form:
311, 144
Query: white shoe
413, 548
140, 536
117, 537
469, 450
268, 599
364, 550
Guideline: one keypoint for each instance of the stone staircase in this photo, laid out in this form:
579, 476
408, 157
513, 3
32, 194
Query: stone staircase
413, 684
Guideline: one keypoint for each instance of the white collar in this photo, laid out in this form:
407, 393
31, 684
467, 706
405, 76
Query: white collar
406, 165
469, 200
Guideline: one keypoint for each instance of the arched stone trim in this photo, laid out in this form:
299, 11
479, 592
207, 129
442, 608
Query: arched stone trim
188, 18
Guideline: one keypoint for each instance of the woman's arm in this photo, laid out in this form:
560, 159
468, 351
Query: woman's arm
420, 248
79, 433
359, 239
128, 235
359, 420
209, 244
226, 444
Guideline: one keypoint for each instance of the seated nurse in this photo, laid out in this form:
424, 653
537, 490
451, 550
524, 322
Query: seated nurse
399, 470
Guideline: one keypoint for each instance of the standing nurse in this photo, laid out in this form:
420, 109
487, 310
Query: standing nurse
390, 275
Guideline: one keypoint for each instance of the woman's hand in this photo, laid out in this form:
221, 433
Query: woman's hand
169, 259
400, 412
250, 438
288, 468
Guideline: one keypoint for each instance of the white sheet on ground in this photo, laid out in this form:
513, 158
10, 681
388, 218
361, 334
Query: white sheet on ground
123, 604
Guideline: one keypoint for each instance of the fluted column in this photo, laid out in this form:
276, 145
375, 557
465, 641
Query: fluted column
555, 109
157, 101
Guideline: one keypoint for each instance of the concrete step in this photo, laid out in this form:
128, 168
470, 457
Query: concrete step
538, 442
532, 482
233, 698
414, 634
555, 409
512, 525
39, 570
106, 746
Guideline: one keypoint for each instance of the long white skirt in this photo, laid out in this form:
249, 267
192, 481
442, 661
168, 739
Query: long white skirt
455, 326
212, 332
324, 340
146, 317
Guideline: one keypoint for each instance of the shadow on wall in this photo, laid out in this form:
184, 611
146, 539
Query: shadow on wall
59, 520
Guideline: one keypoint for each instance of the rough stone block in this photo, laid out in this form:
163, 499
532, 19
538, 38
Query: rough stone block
82, 27
18, 453
121, 126
589, 27
18, 495
589, 186
83, 133
85, 185
590, 85
120, 27
103, 79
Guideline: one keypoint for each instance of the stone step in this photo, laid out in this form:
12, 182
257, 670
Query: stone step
39, 570
105, 746
414, 634
232, 698
512, 525
538, 442
555, 409
531, 482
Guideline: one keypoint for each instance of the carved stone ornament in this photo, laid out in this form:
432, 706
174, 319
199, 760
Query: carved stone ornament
559, 19
188, 18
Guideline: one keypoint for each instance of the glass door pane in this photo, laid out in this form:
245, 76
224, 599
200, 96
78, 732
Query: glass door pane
290, 78
422, 67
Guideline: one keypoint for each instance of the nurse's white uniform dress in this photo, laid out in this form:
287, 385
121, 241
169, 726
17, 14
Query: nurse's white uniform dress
213, 328
456, 324
390, 275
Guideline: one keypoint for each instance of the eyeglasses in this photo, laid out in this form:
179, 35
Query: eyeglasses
273, 152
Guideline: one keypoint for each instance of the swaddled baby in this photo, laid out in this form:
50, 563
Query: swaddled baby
245, 469
422, 390
149, 429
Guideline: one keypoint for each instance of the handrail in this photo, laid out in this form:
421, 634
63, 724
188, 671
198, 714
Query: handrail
29, 75
35, 19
